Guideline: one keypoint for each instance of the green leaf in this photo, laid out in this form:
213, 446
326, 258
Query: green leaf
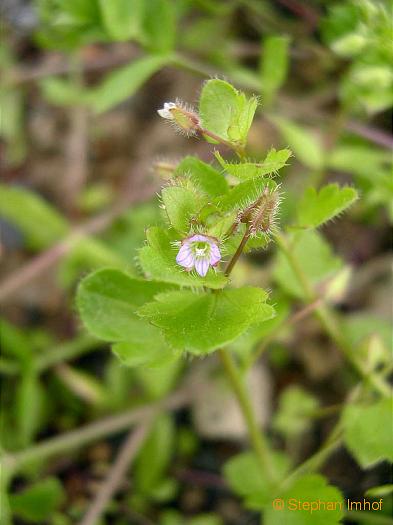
313, 255
63, 92
368, 431
122, 18
225, 111
295, 408
156, 454
246, 479
41, 224
275, 160
38, 502
159, 381
306, 147
316, 208
181, 205
107, 300
29, 407
274, 65
159, 25
201, 323
244, 194
158, 261
124, 82
309, 501
203, 176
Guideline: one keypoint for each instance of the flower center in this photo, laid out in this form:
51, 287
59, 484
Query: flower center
200, 249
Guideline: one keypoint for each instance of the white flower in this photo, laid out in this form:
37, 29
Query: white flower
199, 251
165, 112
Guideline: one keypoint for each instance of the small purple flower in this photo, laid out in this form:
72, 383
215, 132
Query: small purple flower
199, 251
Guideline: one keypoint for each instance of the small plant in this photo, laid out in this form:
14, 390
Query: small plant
184, 301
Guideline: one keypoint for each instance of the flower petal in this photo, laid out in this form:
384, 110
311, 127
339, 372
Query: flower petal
165, 113
185, 257
215, 255
202, 266
198, 238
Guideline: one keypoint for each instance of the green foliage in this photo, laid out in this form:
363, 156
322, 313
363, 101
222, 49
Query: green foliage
244, 194
306, 147
274, 65
29, 403
201, 323
361, 30
37, 503
316, 208
107, 301
225, 111
246, 479
155, 455
309, 489
159, 25
124, 82
181, 206
275, 160
121, 18
360, 422
294, 411
158, 261
313, 256
40, 223
203, 176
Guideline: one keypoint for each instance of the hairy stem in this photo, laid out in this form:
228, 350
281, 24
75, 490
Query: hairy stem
257, 439
238, 252
328, 321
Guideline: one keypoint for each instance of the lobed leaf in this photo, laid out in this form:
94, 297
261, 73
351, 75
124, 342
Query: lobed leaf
310, 489
107, 301
181, 205
245, 193
245, 477
316, 208
275, 160
360, 422
225, 111
201, 323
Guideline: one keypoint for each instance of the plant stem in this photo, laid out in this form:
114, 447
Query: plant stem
326, 318
256, 437
238, 252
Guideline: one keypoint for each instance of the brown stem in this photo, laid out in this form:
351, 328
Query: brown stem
238, 252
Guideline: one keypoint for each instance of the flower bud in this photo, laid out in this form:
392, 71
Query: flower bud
184, 118
261, 214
